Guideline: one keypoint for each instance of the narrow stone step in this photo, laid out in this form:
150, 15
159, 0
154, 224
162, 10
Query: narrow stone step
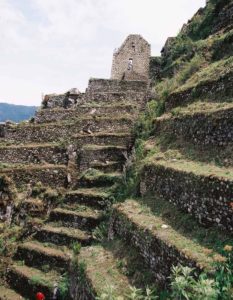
76, 217
202, 190
93, 109
107, 166
8, 294
160, 245
94, 197
91, 153
94, 178
38, 255
28, 281
34, 207
101, 272
53, 132
123, 139
33, 153
59, 235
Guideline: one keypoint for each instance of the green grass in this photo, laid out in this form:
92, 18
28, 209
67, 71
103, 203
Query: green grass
212, 238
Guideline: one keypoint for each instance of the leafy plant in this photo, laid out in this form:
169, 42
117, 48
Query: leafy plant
100, 233
185, 286
76, 247
63, 287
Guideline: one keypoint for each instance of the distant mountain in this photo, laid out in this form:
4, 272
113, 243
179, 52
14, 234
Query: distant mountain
16, 113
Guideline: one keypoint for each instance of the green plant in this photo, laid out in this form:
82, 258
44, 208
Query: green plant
224, 274
108, 294
101, 232
63, 287
184, 285
144, 125
137, 294
76, 247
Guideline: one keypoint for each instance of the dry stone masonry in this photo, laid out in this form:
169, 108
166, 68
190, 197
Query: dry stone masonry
65, 165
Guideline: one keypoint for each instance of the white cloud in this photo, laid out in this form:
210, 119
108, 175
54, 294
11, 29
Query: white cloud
53, 45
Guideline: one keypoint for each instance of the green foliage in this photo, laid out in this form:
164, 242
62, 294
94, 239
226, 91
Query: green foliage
164, 88
7, 186
38, 189
185, 286
108, 294
224, 274
144, 125
222, 47
76, 247
134, 294
63, 287
2, 246
100, 233
137, 294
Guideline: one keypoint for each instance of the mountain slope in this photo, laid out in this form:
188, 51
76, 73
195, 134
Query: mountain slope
16, 113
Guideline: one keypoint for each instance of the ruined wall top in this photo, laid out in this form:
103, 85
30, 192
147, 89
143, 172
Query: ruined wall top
131, 60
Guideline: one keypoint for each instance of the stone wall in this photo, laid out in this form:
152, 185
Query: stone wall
205, 129
159, 250
117, 91
47, 175
207, 198
56, 115
138, 50
52, 132
57, 100
115, 86
34, 154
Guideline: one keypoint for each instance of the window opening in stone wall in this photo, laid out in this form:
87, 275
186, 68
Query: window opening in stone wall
130, 64
133, 46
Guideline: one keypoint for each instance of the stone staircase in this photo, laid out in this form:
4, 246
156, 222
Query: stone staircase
101, 138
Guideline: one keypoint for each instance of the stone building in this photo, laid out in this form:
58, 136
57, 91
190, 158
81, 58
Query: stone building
131, 61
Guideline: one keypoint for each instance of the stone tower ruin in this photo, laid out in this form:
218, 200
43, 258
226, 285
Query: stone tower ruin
131, 60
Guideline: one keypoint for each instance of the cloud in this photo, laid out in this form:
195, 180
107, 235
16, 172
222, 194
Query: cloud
53, 45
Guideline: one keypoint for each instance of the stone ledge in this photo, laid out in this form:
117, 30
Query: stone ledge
48, 175
214, 128
214, 89
205, 194
161, 247
36, 154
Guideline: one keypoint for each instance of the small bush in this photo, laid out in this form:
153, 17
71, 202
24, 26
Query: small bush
76, 247
185, 286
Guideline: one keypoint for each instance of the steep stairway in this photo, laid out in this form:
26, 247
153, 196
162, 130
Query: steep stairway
100, 135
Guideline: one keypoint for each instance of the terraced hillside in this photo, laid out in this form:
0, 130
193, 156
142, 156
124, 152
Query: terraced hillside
122, 196
58, 173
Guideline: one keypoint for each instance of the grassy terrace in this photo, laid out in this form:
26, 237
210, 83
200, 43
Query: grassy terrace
101, 147
126, 117
92, 104
202, 106
101, 271
168, 148
196, 168
29, 145
212, 72
105, 133
10, 167
145, 221
210, 238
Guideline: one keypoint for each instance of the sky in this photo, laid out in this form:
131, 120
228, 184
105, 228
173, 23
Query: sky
51, 46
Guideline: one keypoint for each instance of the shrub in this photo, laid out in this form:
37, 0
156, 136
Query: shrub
185, 286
